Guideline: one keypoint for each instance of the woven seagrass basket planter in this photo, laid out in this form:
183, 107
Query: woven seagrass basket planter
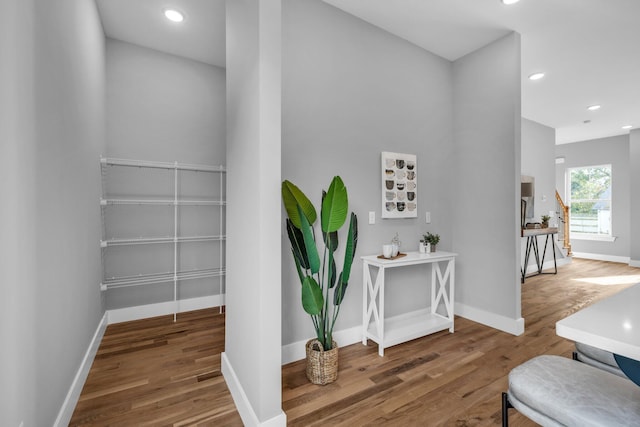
322, 366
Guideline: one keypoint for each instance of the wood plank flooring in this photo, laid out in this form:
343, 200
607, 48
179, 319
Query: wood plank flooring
450, 379
155, 372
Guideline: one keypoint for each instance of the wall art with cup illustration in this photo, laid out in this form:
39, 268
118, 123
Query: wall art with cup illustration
399, 185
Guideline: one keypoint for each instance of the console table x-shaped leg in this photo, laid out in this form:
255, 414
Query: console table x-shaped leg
412, 325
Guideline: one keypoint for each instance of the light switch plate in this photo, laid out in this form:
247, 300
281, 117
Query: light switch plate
372, 217
427, 217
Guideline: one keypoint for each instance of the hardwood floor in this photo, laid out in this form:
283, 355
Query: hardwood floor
450, 379
154, 372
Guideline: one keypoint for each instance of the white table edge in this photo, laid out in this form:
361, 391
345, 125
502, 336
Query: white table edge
566, 327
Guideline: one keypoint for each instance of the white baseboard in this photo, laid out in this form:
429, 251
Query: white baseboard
248, 415
561, 259
163, 308
70, 402
296, 351
506, 324
548, 265
602, 257
634, 263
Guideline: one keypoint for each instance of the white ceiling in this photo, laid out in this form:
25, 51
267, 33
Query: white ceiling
201, 36
588, 48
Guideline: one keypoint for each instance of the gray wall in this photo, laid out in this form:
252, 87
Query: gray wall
253, 339
613, 151
350, 91
164, 108
486, 208
56, 137
634, 193
538, 160
18, 304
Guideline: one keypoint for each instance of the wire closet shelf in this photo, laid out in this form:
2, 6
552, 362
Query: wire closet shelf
175, 275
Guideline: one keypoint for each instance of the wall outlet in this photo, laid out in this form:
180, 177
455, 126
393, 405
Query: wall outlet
427, 217
372, 217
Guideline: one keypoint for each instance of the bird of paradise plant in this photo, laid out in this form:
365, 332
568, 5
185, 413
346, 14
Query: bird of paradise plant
318, 276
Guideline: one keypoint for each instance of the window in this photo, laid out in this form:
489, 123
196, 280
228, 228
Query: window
590, 201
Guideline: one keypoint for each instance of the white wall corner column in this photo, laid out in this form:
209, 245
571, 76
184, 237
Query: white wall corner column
251, 363
487, 131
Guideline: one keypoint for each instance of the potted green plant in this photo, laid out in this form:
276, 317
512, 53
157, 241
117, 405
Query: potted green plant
321, 283
432, 240
545, 221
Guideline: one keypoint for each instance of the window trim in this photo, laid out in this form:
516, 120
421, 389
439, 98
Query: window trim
590, 236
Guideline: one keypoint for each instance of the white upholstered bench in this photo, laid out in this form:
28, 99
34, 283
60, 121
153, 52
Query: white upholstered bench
557, 391
598, 358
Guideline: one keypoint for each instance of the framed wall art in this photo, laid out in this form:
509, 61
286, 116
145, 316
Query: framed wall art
399, 185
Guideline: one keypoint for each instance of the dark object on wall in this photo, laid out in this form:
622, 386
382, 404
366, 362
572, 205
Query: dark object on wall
527, 192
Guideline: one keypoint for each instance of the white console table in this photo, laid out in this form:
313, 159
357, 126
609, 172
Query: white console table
395, 330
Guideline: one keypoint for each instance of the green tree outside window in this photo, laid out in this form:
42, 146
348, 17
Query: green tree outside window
590, 189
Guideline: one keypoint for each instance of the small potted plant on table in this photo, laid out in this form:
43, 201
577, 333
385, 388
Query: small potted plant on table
545, 221
432, 240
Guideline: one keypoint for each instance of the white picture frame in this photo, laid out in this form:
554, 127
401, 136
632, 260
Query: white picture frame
399, 177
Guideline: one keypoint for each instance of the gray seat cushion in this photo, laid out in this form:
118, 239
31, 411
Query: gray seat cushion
599, 358
556, 391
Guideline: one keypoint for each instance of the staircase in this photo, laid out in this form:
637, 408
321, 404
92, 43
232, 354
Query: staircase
562, 213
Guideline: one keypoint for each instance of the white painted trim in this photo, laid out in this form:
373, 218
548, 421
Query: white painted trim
561, 259
602, 257
248, 415
533, 268
279, 420
506, 324
70, 402
592, 237
296, 351
163, 308
634, 263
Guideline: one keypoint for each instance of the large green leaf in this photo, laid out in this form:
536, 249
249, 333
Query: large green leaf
312, 299
330, 239
334, 206
332, 270
338, 294
298, 269
297, 244
350, 248
293, 197
309, 243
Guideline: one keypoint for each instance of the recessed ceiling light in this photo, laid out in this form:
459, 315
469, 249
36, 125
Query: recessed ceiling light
510, 1
593, 107
627, 127
173, 15
536, 76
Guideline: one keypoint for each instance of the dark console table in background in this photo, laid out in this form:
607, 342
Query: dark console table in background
532, 246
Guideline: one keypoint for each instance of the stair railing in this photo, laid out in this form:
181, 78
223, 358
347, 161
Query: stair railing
563, 216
